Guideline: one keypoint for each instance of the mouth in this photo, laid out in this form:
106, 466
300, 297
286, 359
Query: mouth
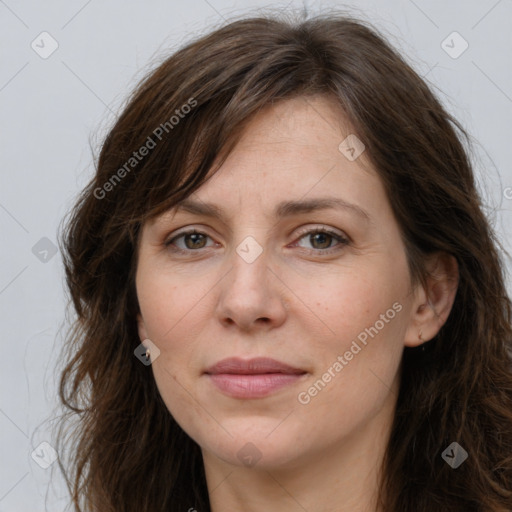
252, 378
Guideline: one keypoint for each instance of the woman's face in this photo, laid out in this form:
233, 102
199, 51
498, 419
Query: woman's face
297, 258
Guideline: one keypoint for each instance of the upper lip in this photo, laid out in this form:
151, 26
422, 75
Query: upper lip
255, 366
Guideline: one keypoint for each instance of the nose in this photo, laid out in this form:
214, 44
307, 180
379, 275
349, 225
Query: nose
252, 296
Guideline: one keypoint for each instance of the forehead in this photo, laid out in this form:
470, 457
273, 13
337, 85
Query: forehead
288, 161
307, 121
295, 147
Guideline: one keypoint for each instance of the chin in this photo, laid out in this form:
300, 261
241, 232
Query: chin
257, 445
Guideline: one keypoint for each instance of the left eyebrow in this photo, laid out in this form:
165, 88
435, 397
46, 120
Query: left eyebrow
288, 208
282, 210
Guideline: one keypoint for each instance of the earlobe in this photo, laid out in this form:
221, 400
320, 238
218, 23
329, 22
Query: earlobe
434, 301
141, 327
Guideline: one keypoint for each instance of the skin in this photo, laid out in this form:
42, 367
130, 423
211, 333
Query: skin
303, 301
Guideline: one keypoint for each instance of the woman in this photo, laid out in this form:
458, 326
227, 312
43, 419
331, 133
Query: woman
288, 296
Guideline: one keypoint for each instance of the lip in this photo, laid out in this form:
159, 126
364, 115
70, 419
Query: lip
252, 378
256, 365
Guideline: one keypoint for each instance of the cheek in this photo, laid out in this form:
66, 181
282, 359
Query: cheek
169, 305
347, 303
176, 310
168, 310
364, 318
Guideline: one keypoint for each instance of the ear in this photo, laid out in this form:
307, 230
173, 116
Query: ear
433, 302
141, 327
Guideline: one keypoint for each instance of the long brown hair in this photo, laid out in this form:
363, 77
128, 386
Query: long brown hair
126, 452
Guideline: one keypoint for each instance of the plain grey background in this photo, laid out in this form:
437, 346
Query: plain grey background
54, 104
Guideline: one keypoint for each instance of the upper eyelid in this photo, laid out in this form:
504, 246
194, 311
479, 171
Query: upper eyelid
323, 229
302, 230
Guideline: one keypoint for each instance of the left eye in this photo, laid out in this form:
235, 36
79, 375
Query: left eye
321, 239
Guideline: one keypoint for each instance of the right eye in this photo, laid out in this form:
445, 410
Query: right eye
188, 241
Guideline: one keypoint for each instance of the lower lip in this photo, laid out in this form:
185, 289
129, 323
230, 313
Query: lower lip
252, 386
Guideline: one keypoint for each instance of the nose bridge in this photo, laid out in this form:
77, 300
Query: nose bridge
249, 263
250, 250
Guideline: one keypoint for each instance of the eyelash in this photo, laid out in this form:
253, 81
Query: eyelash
342, 241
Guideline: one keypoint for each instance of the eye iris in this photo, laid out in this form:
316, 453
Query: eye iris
323, 238
196, 240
